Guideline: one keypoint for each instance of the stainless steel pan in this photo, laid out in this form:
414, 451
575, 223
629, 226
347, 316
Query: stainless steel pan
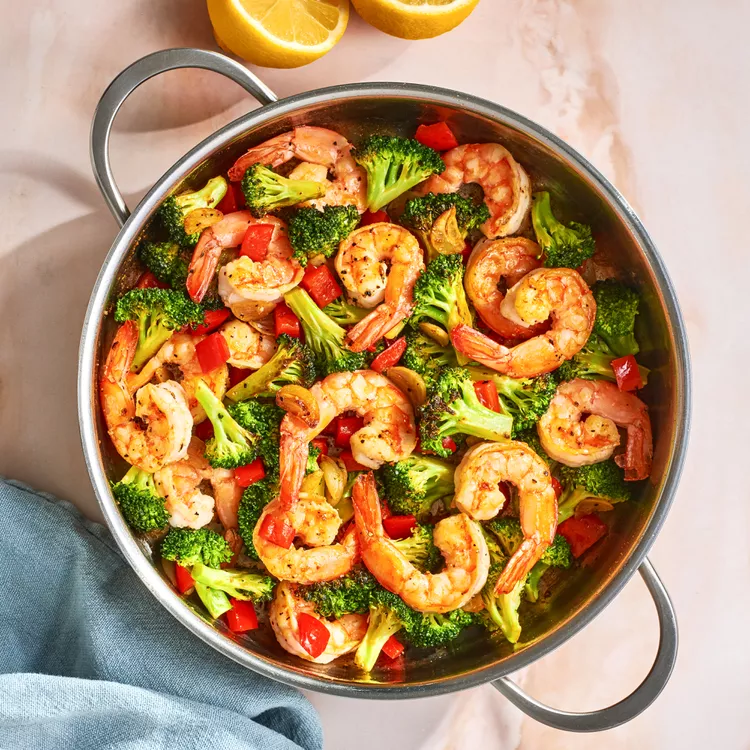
398, 108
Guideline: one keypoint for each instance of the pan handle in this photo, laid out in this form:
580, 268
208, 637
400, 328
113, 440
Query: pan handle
628, 708
129, 80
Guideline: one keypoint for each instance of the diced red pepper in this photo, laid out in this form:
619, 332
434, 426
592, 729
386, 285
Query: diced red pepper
449, 444
212, 352
285, 321
241, 617
256, 240
557, 487
393, 647
331, 428
236, 375
233, 200
390, 356
373, 217
212, 319
321, 444
582, 532
438, 136
250, 473
313, 635
466, 252
350, 463
399, 527
149, 281
204, 431
321, 285
345, 428
627, 374
184, 580
277, 531
486, 392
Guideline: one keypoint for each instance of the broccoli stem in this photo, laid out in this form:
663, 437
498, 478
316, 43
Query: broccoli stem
382, 625
216, 602
481, 422
225, 428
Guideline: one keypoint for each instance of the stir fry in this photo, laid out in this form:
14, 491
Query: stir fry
366, 407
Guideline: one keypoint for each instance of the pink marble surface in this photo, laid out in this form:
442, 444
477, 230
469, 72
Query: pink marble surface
652, 93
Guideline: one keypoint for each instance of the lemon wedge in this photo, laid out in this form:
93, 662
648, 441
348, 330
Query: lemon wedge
278, 33
414, 19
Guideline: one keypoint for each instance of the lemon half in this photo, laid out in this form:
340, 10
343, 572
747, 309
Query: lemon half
414, 19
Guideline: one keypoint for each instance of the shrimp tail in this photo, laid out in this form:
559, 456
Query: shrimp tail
121, 353
367, 514
479, 347
203, 265
293, 460
373, 327
636, 461
271, 153
520, 565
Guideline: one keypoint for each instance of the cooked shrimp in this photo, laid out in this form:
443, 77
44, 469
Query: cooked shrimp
316, 146
574, 441
507, 189
379, 265
458, 538
248, 347
306, 565
494, 266
179, 484
557, 292
346, 633
152, 430
388, 433
227, 496
179, 351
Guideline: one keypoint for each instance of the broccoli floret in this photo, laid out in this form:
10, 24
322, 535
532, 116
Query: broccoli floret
142, 507
388, 614
323, 335
291, 364
593, 362
419, 549
531, 438
349, 594
426, 357
158, 313
254, 500
452, 408
191, 546
237, 583
509, 536
421, 213
266, 191
413, 485
531, 589
166, 260
232, 445
394, 165
563, 247
345, 313
430, 630
616, 308
525, 399
313, 453
313, 232
604, 480
263, 421
175, 208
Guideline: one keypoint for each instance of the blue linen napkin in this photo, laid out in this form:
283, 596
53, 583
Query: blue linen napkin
89, 659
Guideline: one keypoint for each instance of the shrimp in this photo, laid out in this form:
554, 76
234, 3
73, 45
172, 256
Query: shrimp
313, 524
346, 633
227, 496
248, 347
574, 441
179, 484
315, 146
478, 495
493, 267
460, 540
152, 430
557, 292
507, 189
179, 350
388, 433
379, 265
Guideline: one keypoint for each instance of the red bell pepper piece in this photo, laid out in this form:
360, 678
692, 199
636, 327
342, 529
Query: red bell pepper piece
345, 428
399, 527
277, 531
256, 240
393, 647
204, 431
285, 321
233, 200
390, 356
486, 392
331, 428
466, 252
313, 634
212, 352
557, 487
449, 444
350, 463
212, 319
321, 444
373, 217
236, 375
147, 280
582, 532
438, 136
184, 580
250, 473
241, 617
627, 374
321, 285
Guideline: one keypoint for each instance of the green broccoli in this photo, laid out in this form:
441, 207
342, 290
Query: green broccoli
174, 209
291, 364
430, 630
531, 588
214, 600
239, 584
563, 247
604, 480
426, 357
254, 500
324, 336
142, 507
394, 165
264, 421
158, 313
191, 546
593, 362
452, 408
349, 594
167, 261
388, 615
420, 550
265, 190
313, 453
414, 484
616, 308
313, 232
345, 313
508, 533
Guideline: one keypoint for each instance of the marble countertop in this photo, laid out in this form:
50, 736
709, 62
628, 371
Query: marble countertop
650, 92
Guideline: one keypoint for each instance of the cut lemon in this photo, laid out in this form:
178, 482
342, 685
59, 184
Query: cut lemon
414, 19
278, 33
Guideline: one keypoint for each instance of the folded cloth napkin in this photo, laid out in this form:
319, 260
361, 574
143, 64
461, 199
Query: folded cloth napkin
90, 660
